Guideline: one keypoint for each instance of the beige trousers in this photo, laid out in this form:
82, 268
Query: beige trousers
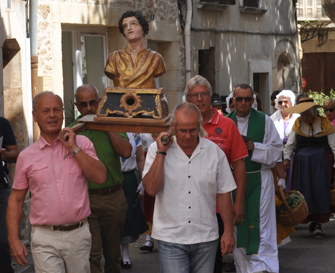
61, 251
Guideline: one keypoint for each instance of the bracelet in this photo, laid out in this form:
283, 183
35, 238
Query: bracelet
76, 151
162, 153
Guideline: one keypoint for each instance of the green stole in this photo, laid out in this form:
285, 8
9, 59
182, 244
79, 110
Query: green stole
248, 234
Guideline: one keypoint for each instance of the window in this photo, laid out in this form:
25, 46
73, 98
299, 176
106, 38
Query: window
251, 3
226, 2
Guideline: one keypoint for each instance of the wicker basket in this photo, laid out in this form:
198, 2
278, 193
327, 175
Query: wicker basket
295, 216
332, 198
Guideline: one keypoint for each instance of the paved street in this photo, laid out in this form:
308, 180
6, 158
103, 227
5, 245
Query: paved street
303, 255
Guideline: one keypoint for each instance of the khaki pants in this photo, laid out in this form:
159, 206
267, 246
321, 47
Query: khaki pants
61, 251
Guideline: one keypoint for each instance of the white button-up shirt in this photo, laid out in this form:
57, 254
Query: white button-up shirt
185, 207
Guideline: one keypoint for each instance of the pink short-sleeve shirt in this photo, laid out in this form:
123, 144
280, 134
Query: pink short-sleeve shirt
59, 190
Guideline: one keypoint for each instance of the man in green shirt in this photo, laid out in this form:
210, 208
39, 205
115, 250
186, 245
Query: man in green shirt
107, 201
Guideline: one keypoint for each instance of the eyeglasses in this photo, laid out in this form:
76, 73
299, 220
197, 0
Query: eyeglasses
196, 95
331, 110
83, 104
240, 99
282, 101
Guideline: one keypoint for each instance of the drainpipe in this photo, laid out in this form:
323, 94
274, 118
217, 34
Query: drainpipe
187, 35
34, 57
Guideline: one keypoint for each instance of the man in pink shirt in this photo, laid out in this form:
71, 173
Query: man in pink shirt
55, 169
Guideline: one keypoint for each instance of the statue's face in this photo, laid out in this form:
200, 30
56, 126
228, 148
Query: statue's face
132, 29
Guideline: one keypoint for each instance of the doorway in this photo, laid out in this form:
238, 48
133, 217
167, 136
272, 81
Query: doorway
84, 52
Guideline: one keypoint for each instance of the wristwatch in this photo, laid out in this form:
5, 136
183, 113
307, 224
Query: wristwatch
76, 151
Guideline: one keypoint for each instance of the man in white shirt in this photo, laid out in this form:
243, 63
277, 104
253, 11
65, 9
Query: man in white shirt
256, 248
187, 176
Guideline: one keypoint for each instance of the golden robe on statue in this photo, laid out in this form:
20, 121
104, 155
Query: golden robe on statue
125, 73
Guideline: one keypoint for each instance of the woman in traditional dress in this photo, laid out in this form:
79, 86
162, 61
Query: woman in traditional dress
283, 122
312, 143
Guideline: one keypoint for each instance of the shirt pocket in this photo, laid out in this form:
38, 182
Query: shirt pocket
39, 174
208, 181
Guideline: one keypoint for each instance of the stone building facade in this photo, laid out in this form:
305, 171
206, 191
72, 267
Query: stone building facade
254, 42
317, 34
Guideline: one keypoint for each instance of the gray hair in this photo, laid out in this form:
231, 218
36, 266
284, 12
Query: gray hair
36, 98
86, 86
198, 80
188, 109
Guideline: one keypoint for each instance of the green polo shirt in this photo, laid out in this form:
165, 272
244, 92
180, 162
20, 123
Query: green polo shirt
107, 155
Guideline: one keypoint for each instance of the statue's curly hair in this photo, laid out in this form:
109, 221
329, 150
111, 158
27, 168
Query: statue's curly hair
140, 18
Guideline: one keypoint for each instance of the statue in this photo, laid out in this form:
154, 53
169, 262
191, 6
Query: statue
134, 66
133, 70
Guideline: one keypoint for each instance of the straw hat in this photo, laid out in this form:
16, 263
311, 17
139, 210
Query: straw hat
303, 105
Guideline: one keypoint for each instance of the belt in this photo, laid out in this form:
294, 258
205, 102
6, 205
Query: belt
106, 191
66, 227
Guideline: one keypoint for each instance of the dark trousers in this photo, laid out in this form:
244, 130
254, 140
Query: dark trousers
5, 257
218, 268
106, 226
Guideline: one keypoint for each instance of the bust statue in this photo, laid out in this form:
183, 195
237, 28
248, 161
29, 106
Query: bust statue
134, 66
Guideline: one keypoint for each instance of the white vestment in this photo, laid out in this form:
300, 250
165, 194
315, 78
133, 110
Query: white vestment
267, 154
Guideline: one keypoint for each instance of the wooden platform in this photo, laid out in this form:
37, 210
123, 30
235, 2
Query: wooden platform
115, 124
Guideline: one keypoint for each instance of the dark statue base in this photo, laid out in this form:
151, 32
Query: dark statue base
133, 103
131, 110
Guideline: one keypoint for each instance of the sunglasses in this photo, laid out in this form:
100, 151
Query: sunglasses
331, 110
282, 101
240, 99
83, 104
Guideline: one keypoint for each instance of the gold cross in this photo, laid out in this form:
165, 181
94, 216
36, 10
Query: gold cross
251, 226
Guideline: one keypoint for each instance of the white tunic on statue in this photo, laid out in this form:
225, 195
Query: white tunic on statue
267, 154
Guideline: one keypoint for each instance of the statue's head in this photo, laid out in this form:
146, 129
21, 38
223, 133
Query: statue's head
140, 18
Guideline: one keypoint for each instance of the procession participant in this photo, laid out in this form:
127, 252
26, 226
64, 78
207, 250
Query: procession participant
55, 168
107, 201
217, 103
284, 121
135, 223
8, 154
313, 141
134, 66
329, 107
187, 176
223, 132
256, 249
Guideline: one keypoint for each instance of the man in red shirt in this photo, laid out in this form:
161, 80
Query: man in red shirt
224, 133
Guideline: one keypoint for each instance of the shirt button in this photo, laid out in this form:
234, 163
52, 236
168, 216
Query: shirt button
189, 162
189, 176
63, 213
189, 221
189, 192
189, 207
